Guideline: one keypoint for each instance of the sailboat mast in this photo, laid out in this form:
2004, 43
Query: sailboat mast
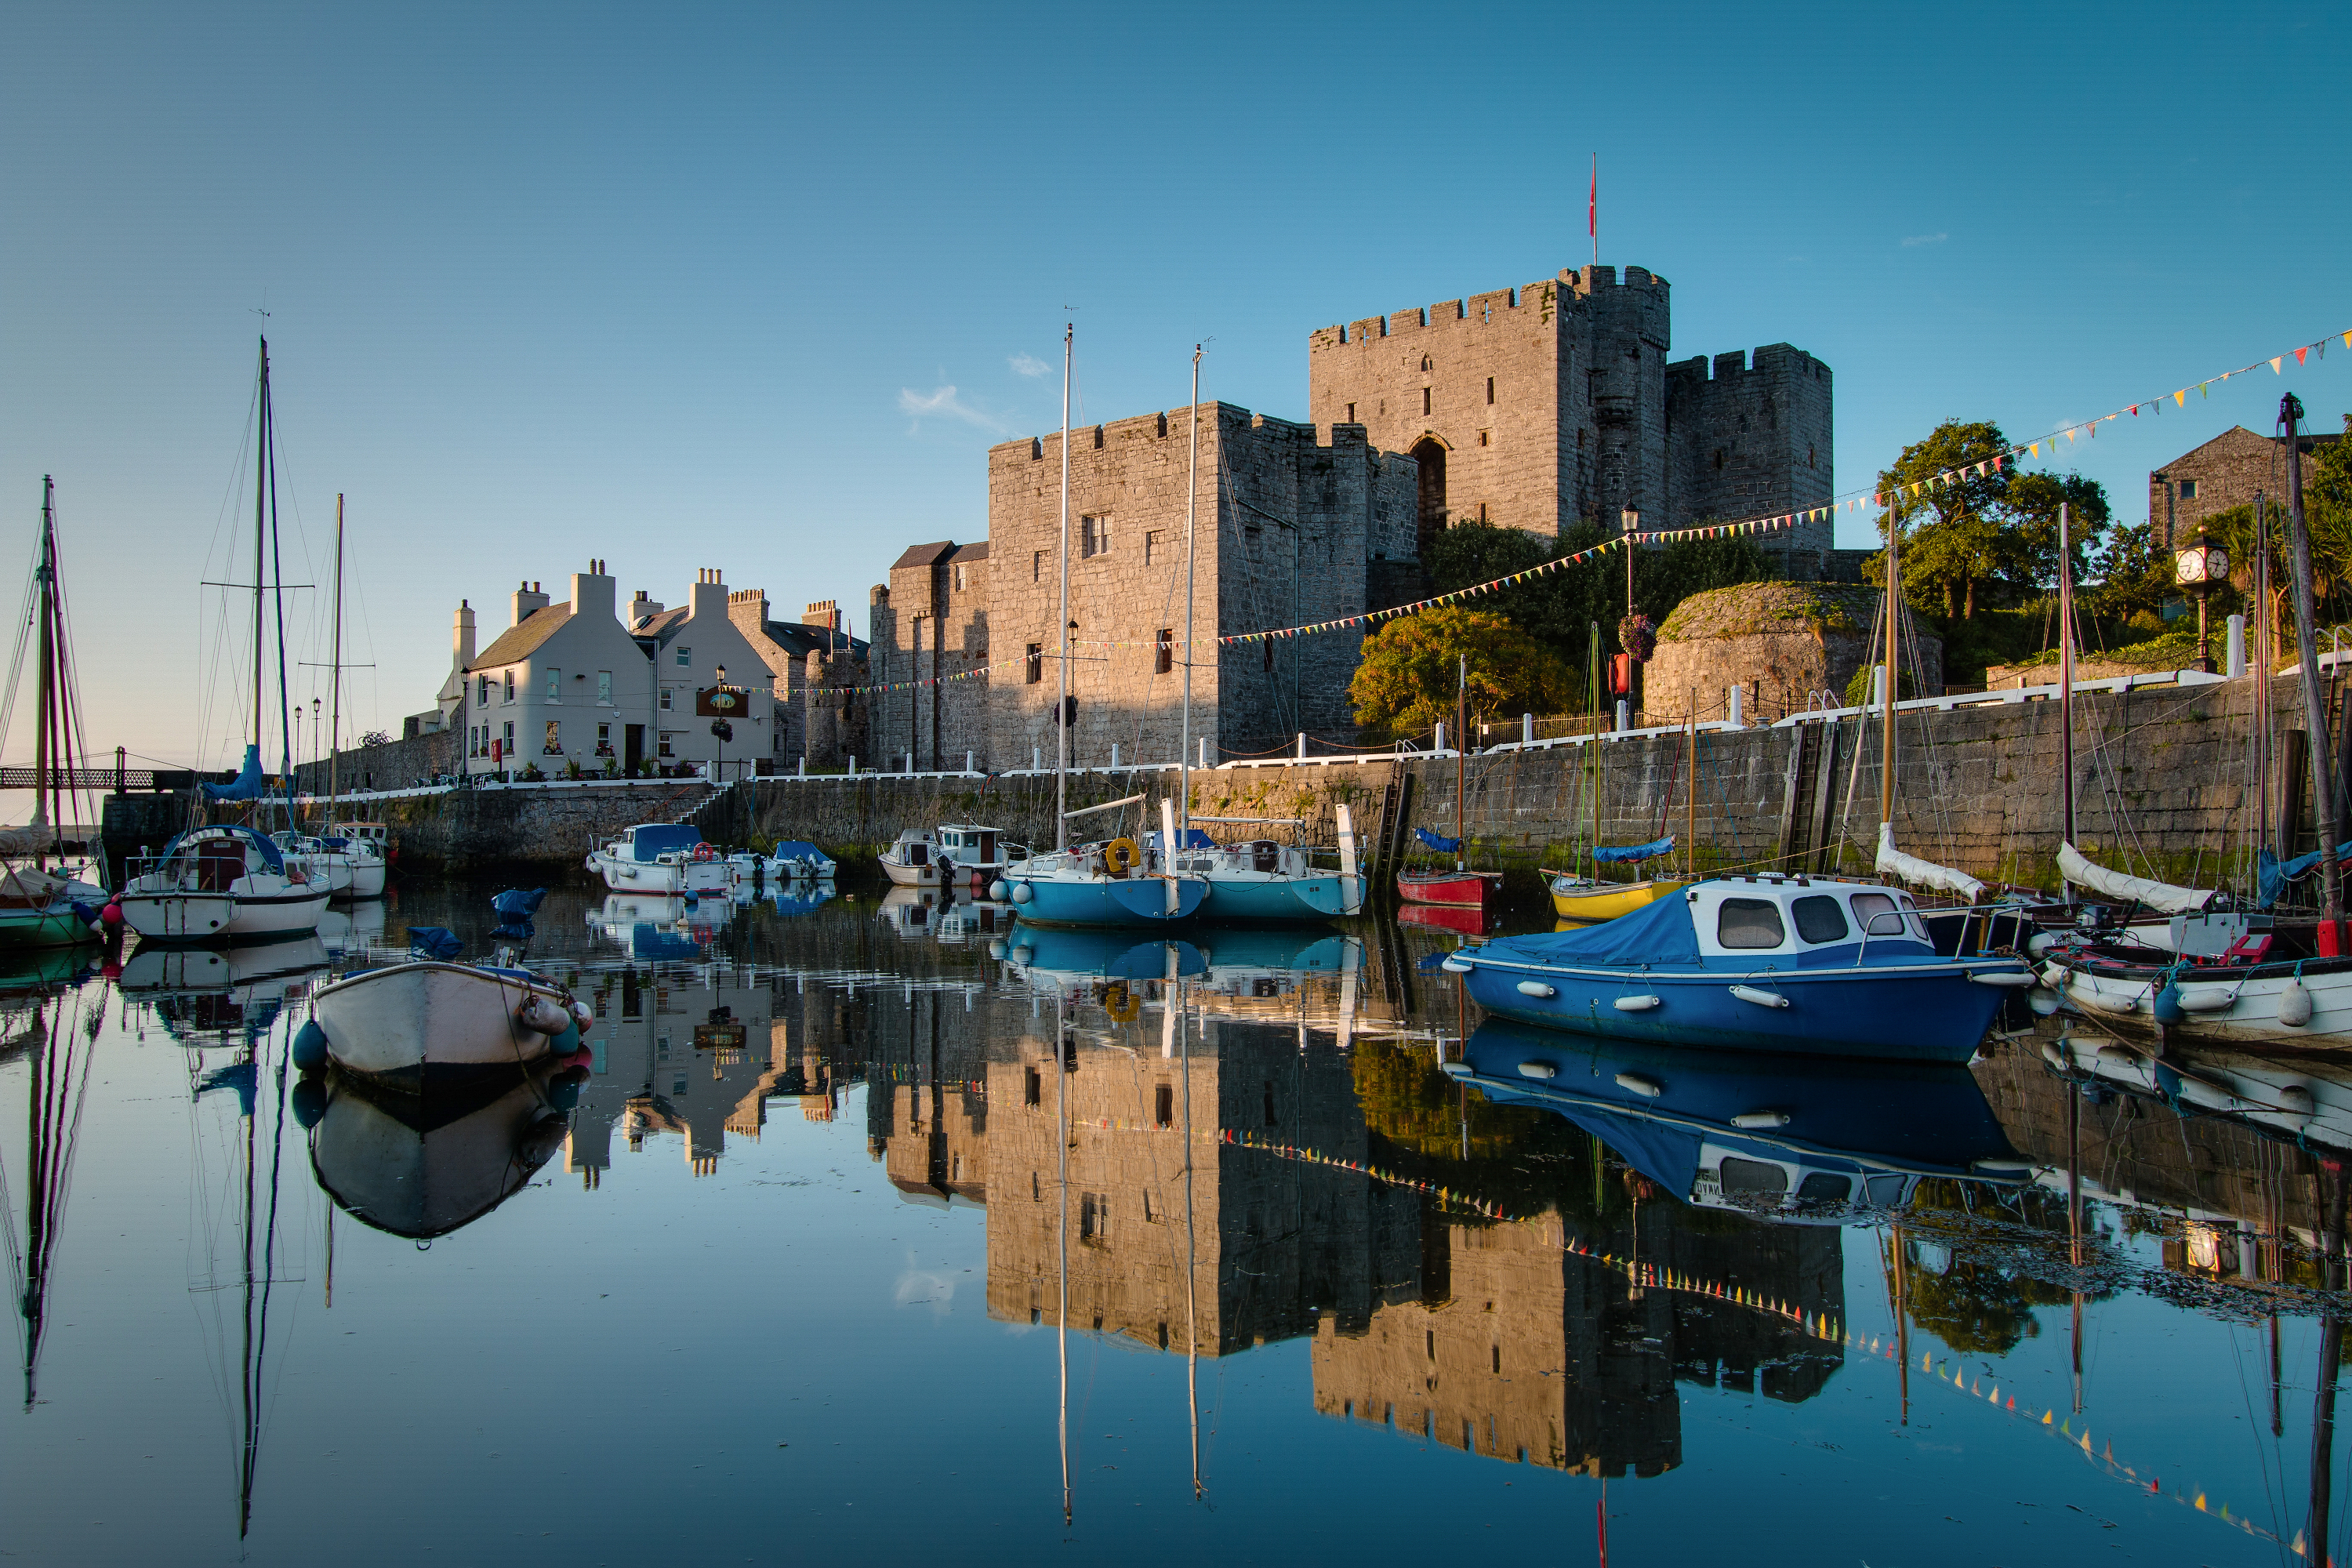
1062, 704
1461, 766
2066, 685
335, 685
1886, 705
260, 528
1191, 535
43, 784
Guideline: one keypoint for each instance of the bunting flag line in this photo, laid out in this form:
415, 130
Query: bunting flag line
1854, 501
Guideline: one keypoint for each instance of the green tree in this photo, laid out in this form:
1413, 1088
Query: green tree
1411, 669
2031, 545
1998, 527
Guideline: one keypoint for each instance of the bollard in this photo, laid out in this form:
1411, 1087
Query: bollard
967, 761
853, 766
1527, 729
1204, 751
1437, 741
1625, 714
911, 764
1302, 745
1877, 686
1736, 722
1037, 758
2234, 661
1114, 755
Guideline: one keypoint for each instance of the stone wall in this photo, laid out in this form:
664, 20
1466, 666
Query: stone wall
2227, 471
472, 829
1752, 442
395, 764
1781, 643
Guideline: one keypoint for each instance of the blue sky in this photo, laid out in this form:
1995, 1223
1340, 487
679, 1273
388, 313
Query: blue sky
689, 286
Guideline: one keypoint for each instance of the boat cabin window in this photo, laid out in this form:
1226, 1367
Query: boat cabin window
1752, 1176
1869, 909
1818, 919
1885, 1192
1749, 923
1824, 1187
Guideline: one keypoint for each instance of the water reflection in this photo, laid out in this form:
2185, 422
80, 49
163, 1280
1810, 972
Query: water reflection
1521, 1247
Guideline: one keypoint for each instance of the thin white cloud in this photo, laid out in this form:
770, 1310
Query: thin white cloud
942, 402
1026, 364
1925, 239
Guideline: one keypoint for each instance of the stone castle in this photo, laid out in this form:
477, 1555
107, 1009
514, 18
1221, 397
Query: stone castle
1539, 408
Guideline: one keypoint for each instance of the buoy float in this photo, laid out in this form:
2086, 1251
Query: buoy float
2294, 1003
310, 1048
111, 914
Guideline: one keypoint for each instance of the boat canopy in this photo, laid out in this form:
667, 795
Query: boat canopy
797, 849
249, 784
1893, 862
1660, 932
1443, 846
246, 835
651, 843
1611, 855
30, 840
2272, 874
2162, 897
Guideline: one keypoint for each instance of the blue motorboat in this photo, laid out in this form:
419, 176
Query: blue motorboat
1810, 966
1115, 883
1792, 1138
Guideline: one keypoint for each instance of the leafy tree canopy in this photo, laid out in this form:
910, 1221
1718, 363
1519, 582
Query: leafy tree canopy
1412, 666
1996, 528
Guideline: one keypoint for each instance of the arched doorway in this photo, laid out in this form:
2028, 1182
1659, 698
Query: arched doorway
1429, 453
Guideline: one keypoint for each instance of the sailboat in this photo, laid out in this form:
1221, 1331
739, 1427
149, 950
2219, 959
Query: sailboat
228, 882
1461, 886
353, 857
61, 1051
1114, 881
41, 906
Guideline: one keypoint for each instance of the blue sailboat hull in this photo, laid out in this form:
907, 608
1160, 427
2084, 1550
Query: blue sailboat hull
1286, 900
1108, 901
1929, 1012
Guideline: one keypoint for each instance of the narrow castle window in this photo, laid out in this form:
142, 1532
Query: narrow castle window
1809, 456
1098, 437
959, 579
1482, 512
1581, 434
1150, 547
1424, 400
1034, 669
1165, 1104
1163, 425
1482, 438
1351, 414
1163, 658
1490, 389
1426, 365
1718, 456
1036, 566
1036, 447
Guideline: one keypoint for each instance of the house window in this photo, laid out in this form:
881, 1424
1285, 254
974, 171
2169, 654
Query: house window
1164, 654
1034, 670
508, 695
604, 688
684, 656
1424, 400
506, 737
481, 692
1094, 537
1150, 547
2189, 490
665, 744
554, 684
553, 745
664, 699
959, 579
604, 740
1490, 389
1036, 566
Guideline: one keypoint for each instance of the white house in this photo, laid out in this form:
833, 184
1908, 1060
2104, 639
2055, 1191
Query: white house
689, 647
563, 684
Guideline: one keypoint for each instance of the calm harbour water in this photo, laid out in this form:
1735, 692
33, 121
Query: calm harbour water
785, 1282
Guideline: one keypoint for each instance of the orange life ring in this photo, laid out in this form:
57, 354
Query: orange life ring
1121, 855
1122, 1004
704, 852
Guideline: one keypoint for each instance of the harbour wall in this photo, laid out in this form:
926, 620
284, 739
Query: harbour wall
2164, 786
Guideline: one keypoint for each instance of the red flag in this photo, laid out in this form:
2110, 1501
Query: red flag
1592, 201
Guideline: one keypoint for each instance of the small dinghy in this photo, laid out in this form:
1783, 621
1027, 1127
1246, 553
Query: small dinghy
432, 1021
1575, 897
1803, 966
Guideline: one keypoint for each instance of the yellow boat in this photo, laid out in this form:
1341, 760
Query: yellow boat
1577, 898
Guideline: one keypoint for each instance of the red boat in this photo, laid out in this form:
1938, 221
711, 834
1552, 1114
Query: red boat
1469, 890
1459, 919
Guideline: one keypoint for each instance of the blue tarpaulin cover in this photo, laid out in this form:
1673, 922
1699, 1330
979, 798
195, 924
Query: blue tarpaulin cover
1447, 844
663, 838
250, 783
435, 941
1610, 856
252, 840
2272, 874
1656, 934
523, 901
798, 850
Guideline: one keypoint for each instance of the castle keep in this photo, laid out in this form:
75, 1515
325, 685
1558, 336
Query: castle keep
1542, 406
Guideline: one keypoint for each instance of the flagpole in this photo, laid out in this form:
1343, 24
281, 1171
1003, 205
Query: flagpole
1592, 210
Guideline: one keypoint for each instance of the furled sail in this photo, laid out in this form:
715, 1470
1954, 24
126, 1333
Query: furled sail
1918, 873
2162, 897
35, 840
250, 783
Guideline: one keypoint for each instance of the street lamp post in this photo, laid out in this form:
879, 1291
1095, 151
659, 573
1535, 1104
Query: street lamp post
2196, 567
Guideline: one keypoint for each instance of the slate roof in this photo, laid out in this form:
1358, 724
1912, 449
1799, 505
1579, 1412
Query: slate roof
925, 554
519, 642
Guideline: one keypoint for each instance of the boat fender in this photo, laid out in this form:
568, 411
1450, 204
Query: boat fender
1023, 892
2042, 1000
309, 1050
543, 1015
1641, 1004
564, 1088
2167, 1082
996, 891
582, 1016
1454, 964
310, 1103
1454, 1070
2109, 1002
2294, 1002
2120, 1055
996, 949
2207, 998
2165, 1004
1537, 988
1758, 1118
2295, 1100
2054, 1053
2011, 979
1024, 955
1761, 998
565, 1043
1648, 1088
2042, 942
111, 914
1537, 1069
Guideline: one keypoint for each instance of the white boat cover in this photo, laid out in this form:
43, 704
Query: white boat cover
30, 840
1893, 862
2162, 897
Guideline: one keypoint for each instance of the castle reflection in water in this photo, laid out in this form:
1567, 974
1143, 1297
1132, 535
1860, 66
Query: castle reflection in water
1482, 1334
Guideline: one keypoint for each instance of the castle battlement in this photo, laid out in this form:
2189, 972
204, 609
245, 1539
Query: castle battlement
1174, 424
1582, 286
1781, 360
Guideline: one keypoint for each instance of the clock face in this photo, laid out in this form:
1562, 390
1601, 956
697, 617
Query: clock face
2190, 567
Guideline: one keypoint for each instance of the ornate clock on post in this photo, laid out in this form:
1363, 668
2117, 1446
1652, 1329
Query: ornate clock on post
721, 704
2197, 566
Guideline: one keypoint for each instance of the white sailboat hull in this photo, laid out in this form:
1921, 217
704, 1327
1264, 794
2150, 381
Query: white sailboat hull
623, 875
171, 915
419, 1023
